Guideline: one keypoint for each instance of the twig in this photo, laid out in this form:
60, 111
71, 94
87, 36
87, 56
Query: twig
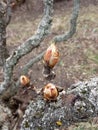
73, 23
31, 62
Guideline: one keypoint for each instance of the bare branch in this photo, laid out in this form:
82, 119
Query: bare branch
3, 49
29, 45
59, 38
73, 23
32, 61
8, 12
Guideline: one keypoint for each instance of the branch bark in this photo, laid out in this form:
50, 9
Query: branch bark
73, 23
59, 38
31, 62
28, 46
5, 15
79, 103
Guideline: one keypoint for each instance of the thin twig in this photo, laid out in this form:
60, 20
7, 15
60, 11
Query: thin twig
73, 23
31, 62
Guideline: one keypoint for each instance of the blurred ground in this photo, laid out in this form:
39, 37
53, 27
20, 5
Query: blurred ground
78, 56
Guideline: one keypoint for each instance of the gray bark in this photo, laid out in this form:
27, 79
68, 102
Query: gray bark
5, 15
28, 46
31, 62
73, 23
79, 103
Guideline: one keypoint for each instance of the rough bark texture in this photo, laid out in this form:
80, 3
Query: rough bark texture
4, 19
79, 103
5, 114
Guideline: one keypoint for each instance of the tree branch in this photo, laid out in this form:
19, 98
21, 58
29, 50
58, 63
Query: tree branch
31, 62
59, 38
3, 23
73, 23
8, 12
78, 104
29, 45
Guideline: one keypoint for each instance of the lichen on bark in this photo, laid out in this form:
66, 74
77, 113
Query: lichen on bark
42, 115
